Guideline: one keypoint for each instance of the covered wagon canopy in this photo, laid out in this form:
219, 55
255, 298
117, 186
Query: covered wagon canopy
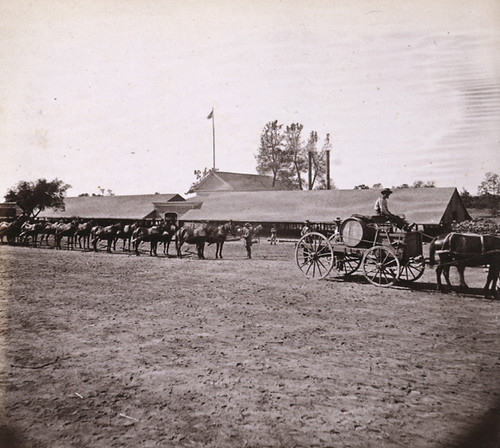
133, 207
427, 206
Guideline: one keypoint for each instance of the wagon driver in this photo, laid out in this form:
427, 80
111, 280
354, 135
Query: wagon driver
382, 209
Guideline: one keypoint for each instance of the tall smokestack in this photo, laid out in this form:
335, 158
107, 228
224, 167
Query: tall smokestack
328, 169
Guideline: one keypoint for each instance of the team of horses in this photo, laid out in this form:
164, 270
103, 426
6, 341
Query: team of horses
89, 235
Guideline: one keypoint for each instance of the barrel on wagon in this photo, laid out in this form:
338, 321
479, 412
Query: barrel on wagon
356, 232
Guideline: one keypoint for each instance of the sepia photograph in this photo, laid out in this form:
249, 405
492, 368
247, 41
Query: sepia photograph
253, 224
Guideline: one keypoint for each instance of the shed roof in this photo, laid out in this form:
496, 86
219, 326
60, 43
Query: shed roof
226, 181
419, 205
111, 207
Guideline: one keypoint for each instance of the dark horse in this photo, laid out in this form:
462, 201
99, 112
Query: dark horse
196, 235
153, 235
68, 231
462, 250
108, 234
83, 232
218, 235
13, 229
169, 231
126, 235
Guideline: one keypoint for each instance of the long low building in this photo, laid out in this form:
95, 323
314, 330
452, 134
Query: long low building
428, 207
145, 207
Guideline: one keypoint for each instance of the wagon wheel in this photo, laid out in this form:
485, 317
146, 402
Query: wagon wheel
381, 266
314, 255
413, 269
346, 263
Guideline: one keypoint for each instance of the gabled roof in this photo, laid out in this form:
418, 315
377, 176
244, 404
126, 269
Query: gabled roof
111, 207
224, 181
419, 205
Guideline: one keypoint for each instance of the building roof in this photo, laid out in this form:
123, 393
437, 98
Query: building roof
419, 205
224, 181
112, 207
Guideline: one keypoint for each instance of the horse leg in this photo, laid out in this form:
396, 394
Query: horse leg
446, 273
493, 274
439, 270
461, 273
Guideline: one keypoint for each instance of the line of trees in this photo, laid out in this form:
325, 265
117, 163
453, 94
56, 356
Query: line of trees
285, 156
488, 194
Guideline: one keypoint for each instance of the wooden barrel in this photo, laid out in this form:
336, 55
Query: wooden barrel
356, 233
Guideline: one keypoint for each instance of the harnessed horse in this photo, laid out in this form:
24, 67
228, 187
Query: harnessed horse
83, 231
30, 230
107, 233
12, 230
463, 250
126, 235
66, 230
153, 235
196, 235
218, 235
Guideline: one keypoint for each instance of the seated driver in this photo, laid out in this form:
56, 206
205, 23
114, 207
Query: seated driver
382, 209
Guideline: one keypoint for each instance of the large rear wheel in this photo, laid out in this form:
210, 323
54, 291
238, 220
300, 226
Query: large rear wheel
314, 255
381, 266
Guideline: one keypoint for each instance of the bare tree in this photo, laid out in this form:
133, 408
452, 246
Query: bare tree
272, 156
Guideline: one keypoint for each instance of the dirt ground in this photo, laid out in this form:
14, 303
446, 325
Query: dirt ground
114, 350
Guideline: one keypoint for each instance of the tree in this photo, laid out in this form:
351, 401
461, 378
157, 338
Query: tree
490, 185
200, 175
362, 187
33, 197
422, 184
295, 154
272, 156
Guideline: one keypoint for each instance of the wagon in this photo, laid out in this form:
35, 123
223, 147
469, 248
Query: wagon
384, 254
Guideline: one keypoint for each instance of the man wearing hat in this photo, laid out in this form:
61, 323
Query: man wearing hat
382, 209
306, 228
247, 239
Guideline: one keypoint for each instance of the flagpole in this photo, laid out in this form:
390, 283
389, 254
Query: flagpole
213, 136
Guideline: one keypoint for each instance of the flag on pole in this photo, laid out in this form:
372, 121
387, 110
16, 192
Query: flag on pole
210, 115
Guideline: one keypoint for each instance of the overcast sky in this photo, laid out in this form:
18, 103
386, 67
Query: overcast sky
115, 94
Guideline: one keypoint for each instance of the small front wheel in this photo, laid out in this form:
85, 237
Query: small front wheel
381, 266
314, 255
413, 269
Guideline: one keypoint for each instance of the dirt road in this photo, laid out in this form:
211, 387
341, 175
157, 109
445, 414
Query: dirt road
114, 350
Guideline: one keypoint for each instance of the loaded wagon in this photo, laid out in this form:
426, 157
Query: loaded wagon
385, 254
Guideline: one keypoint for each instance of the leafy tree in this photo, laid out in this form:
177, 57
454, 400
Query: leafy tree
377, 186
362, 187
34, 197
490, 185
296, 154
272, 156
